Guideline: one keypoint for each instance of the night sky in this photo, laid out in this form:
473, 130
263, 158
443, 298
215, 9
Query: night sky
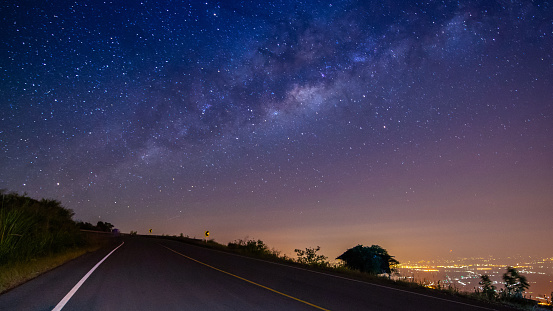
426, 128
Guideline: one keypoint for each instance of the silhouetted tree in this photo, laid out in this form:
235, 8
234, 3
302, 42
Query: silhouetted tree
373, 260
104, 226
309, 256
515, 284
488, 289
85, 226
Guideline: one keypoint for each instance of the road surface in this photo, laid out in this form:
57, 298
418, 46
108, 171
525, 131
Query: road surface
157, 274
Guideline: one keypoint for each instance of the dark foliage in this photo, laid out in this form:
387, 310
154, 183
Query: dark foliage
515, 284
309, 256
30, 228
251, 246
372, 260
488, 289
100, 226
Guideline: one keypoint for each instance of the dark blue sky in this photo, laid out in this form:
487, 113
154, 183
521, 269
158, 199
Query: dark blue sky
424, 128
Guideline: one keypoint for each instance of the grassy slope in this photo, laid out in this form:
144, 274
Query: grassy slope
14, 274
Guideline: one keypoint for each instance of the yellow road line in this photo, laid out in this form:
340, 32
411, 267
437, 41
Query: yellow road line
243, 279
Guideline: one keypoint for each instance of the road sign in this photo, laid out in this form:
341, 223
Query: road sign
150, 230
207, 233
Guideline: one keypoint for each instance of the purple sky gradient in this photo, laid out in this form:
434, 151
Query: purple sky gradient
424, 128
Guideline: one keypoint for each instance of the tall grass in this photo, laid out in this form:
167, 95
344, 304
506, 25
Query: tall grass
30, 228
13, 228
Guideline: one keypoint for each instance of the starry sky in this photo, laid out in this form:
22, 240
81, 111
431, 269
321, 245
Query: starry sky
426, 128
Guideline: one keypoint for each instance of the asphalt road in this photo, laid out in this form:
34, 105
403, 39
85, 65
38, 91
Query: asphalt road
157, 274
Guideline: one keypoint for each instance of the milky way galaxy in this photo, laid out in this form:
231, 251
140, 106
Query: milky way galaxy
423, 127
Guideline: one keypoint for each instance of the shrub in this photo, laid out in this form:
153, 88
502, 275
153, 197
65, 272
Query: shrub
309, 256
250, 246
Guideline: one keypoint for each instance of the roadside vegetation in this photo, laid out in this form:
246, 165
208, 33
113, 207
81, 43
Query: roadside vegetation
515, 284
36, 236
100, 226
376, 265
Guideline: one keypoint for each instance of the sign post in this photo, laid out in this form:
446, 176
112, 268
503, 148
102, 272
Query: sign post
206, 235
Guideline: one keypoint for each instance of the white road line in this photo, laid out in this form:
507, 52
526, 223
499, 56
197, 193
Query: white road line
72, 292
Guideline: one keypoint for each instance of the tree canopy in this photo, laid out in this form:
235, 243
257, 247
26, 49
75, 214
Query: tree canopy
488, 289
373, 260
515, 283
309, 256
100, 226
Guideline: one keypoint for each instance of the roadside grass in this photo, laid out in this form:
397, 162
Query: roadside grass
17, 273
31, 228
37, 236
